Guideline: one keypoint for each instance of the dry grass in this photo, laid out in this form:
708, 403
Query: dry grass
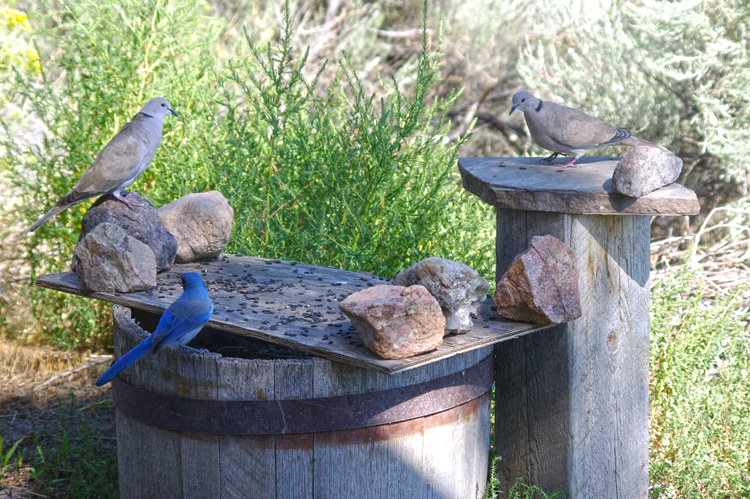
717, 253
40, 387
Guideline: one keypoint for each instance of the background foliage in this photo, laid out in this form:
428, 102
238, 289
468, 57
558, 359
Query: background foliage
333, 128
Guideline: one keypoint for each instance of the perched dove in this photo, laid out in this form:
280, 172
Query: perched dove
121, 161
564, 130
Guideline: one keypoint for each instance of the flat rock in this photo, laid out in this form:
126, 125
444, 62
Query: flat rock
458, 289
645, 169
396, 322
201, 222
108, 259
533, 185
541, 285
141, 222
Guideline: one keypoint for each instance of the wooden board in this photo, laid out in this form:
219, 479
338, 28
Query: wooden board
294, 305
527, 184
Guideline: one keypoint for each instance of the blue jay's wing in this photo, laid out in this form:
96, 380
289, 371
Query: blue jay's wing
182, 321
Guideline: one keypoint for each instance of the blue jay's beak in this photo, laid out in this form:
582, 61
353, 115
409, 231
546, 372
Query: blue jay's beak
512, 109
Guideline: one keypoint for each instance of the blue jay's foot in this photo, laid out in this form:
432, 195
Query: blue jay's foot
196, 351
128, 202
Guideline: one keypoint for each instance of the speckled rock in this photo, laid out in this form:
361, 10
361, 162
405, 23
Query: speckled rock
644, 169
108, 259
141, 222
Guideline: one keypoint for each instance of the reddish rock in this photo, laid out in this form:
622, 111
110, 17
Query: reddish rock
541, 285
395, 321
458, 288
644, 169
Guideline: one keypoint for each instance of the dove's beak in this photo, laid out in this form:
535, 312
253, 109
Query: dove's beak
173, 112
512, 109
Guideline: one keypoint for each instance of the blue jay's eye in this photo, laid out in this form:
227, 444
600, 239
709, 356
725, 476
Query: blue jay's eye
522, 100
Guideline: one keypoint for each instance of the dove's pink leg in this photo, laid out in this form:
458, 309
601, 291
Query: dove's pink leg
130, 204
570, 163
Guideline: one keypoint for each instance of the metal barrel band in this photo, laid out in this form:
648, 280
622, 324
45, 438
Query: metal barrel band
277, 417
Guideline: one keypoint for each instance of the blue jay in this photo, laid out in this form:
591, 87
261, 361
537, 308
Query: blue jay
180, 323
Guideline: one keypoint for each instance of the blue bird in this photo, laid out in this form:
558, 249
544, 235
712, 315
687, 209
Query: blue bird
180, 323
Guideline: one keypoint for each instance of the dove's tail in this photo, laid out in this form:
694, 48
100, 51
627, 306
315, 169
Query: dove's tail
46, 217
635, 141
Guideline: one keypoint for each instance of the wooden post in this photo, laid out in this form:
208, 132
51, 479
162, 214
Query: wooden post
572, 401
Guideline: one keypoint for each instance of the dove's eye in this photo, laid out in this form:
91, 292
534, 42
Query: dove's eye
162, 104
522, 100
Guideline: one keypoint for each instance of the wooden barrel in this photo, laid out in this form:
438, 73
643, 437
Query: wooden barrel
202, 424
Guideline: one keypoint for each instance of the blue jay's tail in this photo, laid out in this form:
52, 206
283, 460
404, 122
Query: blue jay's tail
124, 361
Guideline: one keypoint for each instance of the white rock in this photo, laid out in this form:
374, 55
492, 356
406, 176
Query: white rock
458, 288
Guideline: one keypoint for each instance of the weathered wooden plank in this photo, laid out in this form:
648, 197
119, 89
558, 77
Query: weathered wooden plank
572, 403
527, 184
200, 453
293, 380
247, 461
141, 475
294, 305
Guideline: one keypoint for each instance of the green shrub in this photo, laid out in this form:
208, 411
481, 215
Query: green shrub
700, 359
329, 175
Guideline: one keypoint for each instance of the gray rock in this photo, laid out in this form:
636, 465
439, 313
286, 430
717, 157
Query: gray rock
541, 285
644, 169
394, 321
458, 289
141, 222
108, 259
201, 222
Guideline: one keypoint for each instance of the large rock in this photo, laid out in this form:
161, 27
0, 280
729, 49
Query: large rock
644, 169
458, 289
201, 222
108, 259
541, 285
141, 222
394, 321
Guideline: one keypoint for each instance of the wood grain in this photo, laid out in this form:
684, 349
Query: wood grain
295, 305
527, 184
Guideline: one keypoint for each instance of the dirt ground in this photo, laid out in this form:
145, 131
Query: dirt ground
32, 409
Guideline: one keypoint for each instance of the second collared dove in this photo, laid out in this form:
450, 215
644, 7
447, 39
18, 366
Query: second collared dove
121, 161
564, 130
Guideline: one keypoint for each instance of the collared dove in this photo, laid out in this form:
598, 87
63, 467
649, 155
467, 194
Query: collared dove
564, 130
121, 161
